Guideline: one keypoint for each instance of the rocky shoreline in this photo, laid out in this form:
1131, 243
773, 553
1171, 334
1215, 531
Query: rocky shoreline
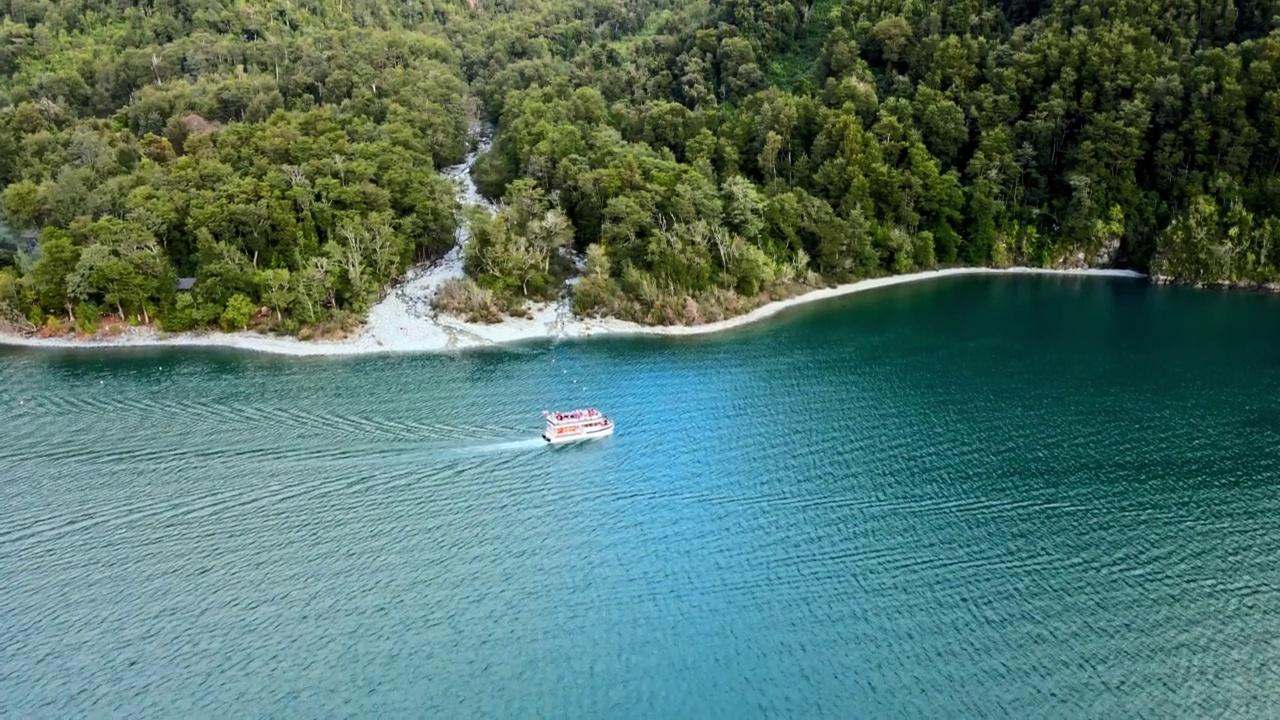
1216, 285
404, 323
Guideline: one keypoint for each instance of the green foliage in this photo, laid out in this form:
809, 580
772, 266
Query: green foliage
183, 315
277, 290
1207, 243
58, 258
11, 301
23, 204
231, 144
926, 135
519, 249
237, 314
704, 156
86, 319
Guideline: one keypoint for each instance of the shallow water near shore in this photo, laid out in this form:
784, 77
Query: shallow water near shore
982, 496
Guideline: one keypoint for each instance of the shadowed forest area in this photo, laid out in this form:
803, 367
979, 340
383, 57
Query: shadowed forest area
687, 161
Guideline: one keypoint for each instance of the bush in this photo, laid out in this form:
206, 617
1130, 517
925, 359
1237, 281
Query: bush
205, 314
923, 248
639, 284
237, 313
669, 309
333, 327
462, 297
596, 296
182, 317
87, 323
719, 304
754, 269
87, 319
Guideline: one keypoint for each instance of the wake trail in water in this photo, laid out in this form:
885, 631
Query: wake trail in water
510, 446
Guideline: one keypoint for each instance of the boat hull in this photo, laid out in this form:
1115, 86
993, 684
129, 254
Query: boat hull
575, 437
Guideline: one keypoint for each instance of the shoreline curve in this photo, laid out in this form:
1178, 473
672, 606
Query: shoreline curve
393, 327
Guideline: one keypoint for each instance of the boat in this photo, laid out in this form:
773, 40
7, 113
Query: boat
583, 424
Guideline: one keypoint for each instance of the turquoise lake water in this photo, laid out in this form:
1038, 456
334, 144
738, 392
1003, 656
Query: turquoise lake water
976, 497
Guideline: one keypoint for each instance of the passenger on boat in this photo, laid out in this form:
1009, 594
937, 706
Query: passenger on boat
574, 415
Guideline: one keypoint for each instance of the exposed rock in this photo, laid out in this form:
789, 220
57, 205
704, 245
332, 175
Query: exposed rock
1107, 254
1269, 287
1082, 258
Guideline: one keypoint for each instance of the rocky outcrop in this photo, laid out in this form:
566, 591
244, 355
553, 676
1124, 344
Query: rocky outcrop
1267, 287
1108, 253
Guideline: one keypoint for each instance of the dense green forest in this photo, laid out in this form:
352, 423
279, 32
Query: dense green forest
696, 158
283, 156
747, 144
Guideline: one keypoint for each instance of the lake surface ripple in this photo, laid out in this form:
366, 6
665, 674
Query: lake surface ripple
979, 497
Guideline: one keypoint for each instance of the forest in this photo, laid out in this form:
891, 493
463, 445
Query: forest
687, 161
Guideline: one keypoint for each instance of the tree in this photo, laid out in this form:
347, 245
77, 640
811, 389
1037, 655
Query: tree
276, 289
23, 204
101, 275
739, 72
870, 137
237, 314
942, 123
58, 259
11, 301
743, 208
893, 33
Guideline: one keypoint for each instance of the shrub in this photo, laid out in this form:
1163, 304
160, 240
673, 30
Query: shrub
639, 284
596, 296
182, 317
237, 313
462, 297
923, 248
87, 318
335, 326
205, 314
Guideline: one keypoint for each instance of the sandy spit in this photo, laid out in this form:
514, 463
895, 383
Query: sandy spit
404, 322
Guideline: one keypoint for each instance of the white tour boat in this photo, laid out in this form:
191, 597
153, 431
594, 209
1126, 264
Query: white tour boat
585, 424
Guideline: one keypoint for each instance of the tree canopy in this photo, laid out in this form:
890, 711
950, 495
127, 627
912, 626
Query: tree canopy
736, 146
701, 157
284, 156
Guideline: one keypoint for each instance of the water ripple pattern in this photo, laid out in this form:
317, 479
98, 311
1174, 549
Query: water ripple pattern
982, 497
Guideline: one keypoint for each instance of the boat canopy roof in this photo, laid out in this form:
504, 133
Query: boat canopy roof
567, 416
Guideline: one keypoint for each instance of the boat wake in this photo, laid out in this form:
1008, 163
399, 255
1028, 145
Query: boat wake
509, 446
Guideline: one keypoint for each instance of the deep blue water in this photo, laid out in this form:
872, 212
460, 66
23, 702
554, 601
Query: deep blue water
978, 497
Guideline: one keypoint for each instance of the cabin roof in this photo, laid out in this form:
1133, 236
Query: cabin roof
186, 283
